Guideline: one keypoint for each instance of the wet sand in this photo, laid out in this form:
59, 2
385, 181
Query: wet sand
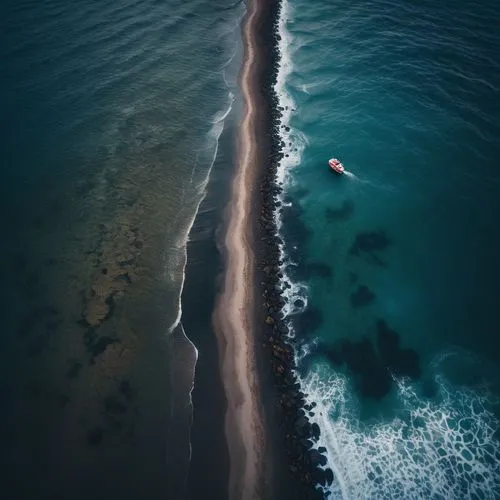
234, 316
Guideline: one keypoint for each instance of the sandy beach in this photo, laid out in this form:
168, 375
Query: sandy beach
234, 313
266, 427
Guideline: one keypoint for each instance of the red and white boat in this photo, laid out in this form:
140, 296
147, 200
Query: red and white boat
336, 166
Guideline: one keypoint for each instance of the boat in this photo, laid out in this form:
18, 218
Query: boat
336, 166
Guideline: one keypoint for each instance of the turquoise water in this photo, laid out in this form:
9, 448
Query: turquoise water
394, 266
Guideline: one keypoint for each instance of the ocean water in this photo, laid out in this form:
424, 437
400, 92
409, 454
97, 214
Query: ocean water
110, 125
393, 267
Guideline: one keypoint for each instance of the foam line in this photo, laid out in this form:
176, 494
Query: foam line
445, 448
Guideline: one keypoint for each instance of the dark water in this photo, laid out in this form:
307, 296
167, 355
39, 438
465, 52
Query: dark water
209, 460
397, 261
111, 116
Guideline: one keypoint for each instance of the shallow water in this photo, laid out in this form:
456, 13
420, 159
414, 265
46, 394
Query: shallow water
395, 263
111, 115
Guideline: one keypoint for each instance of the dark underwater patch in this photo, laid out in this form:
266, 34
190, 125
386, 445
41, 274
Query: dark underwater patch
429, 388
96, 344
309, 321
363, 296
301, 193
94, 436
305, 271
74, 369
37, 344
295, 233
319, 269
113, 406
369, 242
126, 390
373, 363
403, 362
343, 213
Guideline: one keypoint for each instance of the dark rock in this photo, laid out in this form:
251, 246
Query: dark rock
299, 303
319, 476
315, 431
317, 458
329, 476
289, 401
301, 422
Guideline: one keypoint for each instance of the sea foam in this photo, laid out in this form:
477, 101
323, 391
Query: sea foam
444, 448
294, 144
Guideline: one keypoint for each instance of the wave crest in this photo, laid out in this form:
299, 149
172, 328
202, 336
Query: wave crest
444, 449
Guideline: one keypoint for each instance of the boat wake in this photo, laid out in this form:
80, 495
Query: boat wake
369, 183
446, 447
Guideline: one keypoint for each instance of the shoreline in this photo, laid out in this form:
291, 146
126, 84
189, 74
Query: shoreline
299, 463
234, 312
209, 466
266, 413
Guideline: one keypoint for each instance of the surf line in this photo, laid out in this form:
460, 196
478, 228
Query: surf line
233, 314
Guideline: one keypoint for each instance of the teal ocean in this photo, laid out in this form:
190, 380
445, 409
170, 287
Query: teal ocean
392, 269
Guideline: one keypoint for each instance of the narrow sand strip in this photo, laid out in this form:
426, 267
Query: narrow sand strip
233, 315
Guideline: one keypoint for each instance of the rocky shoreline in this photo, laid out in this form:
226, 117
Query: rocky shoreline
298, 437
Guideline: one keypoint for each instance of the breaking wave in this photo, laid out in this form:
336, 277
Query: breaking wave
444, 449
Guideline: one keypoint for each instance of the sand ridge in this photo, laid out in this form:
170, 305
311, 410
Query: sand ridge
233, 315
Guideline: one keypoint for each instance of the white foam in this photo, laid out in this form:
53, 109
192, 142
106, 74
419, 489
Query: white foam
210, 152
431, 450
219, 118
295, 143
293, 136
205, 157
